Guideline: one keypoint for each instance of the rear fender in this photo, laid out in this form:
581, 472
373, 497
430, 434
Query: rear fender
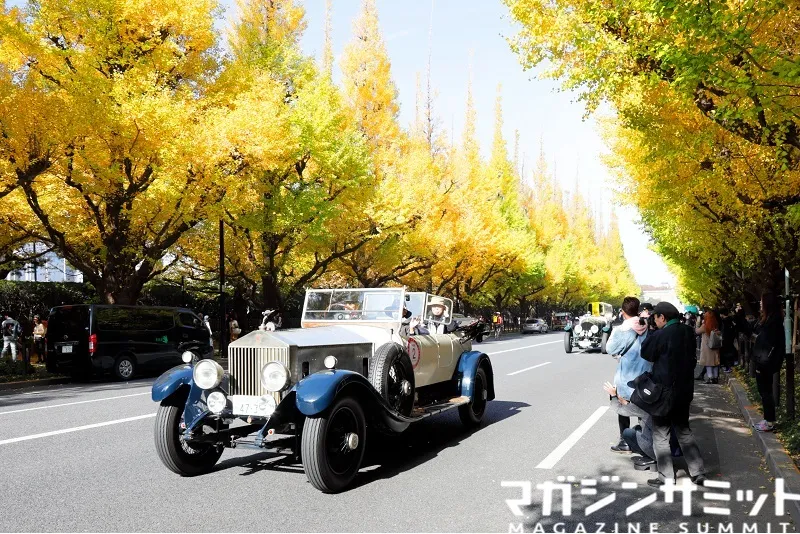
468, 365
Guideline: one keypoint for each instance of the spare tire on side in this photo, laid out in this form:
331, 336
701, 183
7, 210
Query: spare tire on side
392, 374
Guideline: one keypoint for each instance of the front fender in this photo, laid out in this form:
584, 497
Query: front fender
468, 365
315, 393
567, 327
171, 381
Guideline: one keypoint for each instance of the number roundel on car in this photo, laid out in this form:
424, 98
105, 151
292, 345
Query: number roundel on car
414, 352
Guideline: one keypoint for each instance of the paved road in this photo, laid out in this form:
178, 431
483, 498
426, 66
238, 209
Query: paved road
82, 458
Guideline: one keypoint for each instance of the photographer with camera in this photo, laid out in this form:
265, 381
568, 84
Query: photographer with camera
625, 341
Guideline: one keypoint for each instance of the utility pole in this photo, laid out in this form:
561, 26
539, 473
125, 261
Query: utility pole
223, 325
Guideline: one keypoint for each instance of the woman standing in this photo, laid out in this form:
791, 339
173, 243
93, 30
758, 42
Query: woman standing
233, 327
768, 353
39, 332
709, 357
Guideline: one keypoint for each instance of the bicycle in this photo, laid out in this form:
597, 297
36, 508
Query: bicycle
497, 330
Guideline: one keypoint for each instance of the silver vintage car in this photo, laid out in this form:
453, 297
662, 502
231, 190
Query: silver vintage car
377, 359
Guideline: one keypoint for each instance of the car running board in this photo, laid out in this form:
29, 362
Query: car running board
433, 409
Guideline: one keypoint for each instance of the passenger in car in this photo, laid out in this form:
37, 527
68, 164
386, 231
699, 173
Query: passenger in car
435, 322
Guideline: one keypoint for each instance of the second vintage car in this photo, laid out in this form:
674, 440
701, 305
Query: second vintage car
592, 330
379, 358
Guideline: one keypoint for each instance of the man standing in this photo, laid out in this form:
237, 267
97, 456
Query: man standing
11, 331
671, 348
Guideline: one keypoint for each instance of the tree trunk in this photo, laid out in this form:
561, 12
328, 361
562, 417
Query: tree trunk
272, 293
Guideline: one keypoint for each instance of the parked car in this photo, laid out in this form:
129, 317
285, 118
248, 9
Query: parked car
529, 326
93, 339
312, 392
592, 329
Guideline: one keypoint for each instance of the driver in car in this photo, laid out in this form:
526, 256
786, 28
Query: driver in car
437, 316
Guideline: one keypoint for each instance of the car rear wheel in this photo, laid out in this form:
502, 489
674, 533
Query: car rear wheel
173, 451
603, 342
125, 367
568, 342
393, 376
332, 446
471, 414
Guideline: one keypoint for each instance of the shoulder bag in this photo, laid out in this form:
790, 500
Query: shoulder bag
650, 396
714, 340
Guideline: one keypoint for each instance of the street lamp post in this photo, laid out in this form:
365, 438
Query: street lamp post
224, 326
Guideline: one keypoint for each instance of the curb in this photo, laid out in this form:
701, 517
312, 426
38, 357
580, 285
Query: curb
6, 386
779, 462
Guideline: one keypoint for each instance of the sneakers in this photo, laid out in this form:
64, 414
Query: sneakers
622, 446
699, 480
764, 426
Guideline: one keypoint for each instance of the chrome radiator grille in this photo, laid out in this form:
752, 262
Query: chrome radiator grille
245, 363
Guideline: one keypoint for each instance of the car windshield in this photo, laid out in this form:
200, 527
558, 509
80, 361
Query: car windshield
379, 305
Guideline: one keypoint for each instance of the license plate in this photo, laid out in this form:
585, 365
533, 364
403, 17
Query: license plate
249, 405
66, 349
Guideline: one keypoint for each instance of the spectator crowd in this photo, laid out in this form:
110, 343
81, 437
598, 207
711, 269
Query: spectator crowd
658, 349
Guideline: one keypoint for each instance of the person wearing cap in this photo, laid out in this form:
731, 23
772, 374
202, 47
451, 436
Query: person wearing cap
671, 349
39, 331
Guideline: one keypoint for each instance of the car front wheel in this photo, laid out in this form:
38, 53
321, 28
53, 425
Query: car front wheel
472, 412
177, 455
332, 446
568, 342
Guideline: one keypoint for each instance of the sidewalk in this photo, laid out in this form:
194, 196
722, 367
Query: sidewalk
732, 453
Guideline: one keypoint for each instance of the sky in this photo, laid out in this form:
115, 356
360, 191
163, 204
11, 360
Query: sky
474, 32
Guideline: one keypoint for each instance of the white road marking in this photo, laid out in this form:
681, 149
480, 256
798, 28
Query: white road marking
525, 347
73, 403
559, 452
527, 369
75, 429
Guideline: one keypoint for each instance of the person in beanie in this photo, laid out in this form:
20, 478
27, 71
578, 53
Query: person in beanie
11, 331
671, 349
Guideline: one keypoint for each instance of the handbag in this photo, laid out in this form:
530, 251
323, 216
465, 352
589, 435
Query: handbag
650, 396
714, 340
762, 351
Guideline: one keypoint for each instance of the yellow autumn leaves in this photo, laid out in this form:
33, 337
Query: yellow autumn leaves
126, 135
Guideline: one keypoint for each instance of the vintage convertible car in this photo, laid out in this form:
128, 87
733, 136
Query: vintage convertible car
592, 330
313, 392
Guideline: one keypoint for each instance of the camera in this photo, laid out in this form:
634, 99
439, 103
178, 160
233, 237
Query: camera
650, 321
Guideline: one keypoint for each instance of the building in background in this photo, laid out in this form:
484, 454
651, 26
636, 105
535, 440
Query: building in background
661, 293
49, 267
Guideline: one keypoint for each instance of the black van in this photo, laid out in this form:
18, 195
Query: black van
92, 339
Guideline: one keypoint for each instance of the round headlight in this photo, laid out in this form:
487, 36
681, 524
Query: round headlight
270, 403
329, 362
578, 329
274, 377
187, 356
595, 329
207, 374
216, 402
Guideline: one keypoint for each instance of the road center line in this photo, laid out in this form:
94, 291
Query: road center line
75, 429
73, 403
559, 452
527, 369
525, 347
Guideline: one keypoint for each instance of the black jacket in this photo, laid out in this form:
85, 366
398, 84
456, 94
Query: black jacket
672, 349
772, 336
729, 333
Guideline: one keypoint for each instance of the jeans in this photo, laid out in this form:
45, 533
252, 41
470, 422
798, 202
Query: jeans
712, 371
631, 438
764, 383
679, 420
9, 343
